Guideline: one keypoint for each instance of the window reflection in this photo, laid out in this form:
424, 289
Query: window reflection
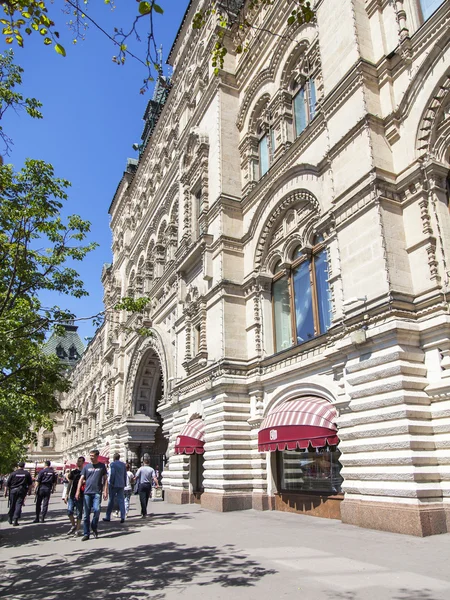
312, 470
303, 303
263, 155
304, 104
282, 314
301, 298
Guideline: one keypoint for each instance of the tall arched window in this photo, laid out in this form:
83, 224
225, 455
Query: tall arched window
301, 297
304, 102
266, 148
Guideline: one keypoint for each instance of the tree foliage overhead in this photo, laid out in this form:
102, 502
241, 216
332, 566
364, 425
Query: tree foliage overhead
35, 245
26, 17
10, 79
36, 248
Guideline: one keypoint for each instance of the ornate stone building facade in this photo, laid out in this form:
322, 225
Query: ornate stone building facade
289, 220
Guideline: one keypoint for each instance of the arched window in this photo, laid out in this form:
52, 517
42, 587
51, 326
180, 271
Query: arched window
304, 102
301, 297
266, 148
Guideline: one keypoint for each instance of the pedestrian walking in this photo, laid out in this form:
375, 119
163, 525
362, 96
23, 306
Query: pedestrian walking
66, 485
94, 478
128, 489
46, 484
2, 479
18, 485
74, 506
117, 483
158, 475
145, 476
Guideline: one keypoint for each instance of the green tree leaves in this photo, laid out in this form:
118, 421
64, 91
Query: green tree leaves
10, 79
35, 245
60, 50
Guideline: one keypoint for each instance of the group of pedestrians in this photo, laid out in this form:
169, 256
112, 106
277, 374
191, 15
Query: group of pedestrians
84, 487
20, 483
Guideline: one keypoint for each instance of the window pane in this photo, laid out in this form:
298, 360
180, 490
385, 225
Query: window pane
282, 314
263, 155
323, 290
303, 303
297, 253
317, 470
428, 7
312, 99
276, 267
300, 111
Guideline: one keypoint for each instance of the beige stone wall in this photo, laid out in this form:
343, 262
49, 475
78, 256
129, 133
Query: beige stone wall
368, 173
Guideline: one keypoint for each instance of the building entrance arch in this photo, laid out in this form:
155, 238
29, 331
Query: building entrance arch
145, 392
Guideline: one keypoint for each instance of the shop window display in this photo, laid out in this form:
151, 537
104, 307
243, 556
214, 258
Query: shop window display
311, 470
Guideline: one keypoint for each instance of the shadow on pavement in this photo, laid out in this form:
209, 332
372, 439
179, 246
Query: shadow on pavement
415, 595
31, 534
132, 572
404, 594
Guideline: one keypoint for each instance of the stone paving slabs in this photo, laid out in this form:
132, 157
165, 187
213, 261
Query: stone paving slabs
206, 555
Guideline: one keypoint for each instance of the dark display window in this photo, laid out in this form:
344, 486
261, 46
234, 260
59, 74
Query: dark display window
312, 470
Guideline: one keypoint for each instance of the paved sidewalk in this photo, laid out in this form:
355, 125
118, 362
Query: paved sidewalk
206, 555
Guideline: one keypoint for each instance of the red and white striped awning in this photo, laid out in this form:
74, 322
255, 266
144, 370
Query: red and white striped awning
293, 424
191, 438
104, 454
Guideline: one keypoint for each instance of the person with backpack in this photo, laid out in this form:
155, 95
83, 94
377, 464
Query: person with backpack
18, 485
46, 484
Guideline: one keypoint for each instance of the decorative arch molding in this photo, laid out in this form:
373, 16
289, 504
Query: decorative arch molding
196, 141
433, 135
302, 176
257, 112
268, 75
171, 196
296, 390
289, 64
291, 244
423, 72
265, 76
195, 411
156, 342
291, 199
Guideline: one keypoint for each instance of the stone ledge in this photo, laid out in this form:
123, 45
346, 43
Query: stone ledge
226, 502
177, 496
420, 520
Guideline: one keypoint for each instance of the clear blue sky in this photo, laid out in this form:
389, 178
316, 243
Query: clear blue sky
92, 115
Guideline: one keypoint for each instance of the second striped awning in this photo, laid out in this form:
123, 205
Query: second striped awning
306, 421
191, 438
104, 454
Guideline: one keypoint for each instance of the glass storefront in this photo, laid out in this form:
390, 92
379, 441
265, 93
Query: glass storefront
311, 470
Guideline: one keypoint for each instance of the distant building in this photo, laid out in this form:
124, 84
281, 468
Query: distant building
289, 220
69, 349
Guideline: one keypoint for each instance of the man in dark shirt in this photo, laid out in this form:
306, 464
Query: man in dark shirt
46, 485
18, 485
95, 478
75, 507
